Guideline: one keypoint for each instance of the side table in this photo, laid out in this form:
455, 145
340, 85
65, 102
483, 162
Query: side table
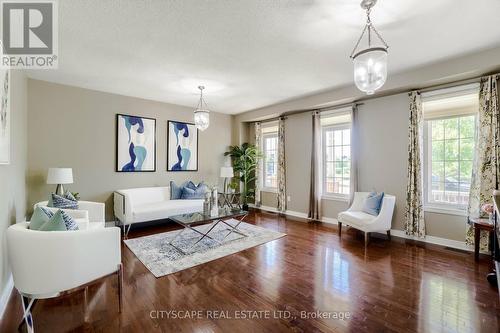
480, 224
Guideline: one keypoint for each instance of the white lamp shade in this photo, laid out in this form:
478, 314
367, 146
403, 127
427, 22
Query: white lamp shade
226, 172
60, 176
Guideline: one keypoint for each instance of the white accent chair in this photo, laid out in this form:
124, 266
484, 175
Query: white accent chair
137, 205
356, 218
46, 264
93, 211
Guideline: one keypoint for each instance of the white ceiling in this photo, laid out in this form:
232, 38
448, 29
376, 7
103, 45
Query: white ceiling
251, 53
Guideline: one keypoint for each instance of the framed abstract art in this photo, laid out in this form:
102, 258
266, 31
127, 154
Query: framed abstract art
182, 146
135, 144
5, 116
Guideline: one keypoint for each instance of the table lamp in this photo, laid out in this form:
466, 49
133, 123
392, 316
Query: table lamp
60, 176
226, 172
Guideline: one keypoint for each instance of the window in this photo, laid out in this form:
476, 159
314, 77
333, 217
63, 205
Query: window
270, 158
449, 140
336, 147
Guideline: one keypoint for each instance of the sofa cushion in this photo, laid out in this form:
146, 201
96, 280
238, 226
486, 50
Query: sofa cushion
40, 217
355, 218
162, 210
372, 203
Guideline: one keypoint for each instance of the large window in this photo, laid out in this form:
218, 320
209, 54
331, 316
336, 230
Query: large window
449, 140
336, 147
270, 158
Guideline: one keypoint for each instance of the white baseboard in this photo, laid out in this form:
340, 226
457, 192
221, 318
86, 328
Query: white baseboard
435, 240
397, 233
4, 297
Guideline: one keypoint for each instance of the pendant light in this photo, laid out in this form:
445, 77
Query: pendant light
370, 64
201, 113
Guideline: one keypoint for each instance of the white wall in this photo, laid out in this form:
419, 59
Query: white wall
13, 176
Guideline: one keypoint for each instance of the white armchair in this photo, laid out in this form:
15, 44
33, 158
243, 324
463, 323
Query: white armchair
46, 264
93, 210
356, 218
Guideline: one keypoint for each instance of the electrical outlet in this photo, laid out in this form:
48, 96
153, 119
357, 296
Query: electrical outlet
288, 198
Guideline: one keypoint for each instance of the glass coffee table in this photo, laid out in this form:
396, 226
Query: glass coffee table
191, 220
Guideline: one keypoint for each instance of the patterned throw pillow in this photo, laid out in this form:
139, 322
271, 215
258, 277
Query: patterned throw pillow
69, 221
39, 218
67, 201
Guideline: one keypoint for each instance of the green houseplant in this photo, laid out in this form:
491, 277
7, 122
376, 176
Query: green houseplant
245, 159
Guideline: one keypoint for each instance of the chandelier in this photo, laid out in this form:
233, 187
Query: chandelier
370, 64
201, 113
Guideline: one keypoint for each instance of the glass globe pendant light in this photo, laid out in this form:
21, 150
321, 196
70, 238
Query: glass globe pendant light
370, 64
201, 113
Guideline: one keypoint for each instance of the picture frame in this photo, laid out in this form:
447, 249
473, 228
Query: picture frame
182, 146
135, 143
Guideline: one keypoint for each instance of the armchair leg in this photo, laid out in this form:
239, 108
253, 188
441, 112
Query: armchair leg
367, 239
389, 234
120, 287
340, 228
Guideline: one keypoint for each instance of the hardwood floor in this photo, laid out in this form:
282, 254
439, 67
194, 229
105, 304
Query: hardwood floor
396, 286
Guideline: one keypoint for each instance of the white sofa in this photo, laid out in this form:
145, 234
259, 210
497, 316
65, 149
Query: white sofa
356, 218
88, 215
45, 264
136, 205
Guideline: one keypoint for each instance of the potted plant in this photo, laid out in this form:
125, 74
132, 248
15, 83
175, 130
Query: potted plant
245, 160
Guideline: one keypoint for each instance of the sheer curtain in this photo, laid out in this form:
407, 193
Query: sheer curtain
485, 171
258, 170
414, 214
315, 186
281, 166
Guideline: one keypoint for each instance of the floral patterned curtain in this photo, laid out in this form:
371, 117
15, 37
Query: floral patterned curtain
281, 166
315, 186
486, 168
258, 170
414, 214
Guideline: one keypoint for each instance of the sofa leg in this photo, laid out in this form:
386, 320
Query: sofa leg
340, 228
120, 287
389, 234
367, 238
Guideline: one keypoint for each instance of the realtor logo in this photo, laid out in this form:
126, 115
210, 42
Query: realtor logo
29, 34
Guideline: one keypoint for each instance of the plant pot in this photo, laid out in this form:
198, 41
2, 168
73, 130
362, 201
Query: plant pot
245, 206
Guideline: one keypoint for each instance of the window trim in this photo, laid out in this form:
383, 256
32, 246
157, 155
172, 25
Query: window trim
263, 187
332, 195
432, 207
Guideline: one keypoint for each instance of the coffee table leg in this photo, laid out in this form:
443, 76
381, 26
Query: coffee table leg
206, 234
234, 228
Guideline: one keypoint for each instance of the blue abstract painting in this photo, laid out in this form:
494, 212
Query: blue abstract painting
182, 146
136, 143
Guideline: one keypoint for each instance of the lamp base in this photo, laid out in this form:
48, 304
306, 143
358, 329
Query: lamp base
60, 189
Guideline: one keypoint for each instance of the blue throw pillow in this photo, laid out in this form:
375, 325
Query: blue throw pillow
69, 221
67, 201
197, 193
372, 203
176, 191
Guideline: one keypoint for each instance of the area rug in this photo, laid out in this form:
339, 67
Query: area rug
161, 258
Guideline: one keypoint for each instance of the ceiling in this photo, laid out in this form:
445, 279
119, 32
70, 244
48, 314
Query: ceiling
251, 54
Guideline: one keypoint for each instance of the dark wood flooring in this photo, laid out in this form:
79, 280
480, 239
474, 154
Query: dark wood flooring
397, 286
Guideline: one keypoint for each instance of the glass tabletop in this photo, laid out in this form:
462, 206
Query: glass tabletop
199, 217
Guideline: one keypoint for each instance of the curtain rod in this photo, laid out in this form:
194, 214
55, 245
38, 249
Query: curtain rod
359, 100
